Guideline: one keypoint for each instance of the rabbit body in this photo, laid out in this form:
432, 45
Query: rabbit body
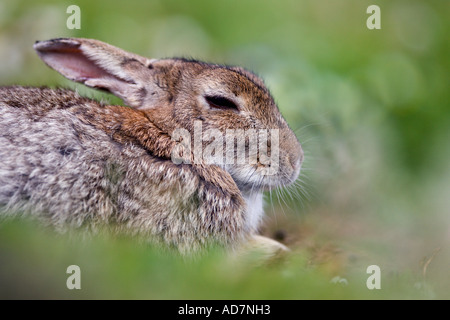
58, 165
74, 162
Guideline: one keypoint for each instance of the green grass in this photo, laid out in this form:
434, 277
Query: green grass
34, 264
371, 108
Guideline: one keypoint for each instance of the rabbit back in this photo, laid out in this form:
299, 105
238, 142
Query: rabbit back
49, 157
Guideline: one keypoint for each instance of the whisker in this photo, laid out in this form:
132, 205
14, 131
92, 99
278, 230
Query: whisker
278, 196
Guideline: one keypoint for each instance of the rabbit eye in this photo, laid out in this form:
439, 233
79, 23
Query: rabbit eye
221, 103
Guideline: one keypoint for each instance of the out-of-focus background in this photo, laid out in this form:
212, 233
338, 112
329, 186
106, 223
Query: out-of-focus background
371, 108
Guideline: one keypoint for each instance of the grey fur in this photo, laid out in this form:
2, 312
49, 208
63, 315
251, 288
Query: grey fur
69, 174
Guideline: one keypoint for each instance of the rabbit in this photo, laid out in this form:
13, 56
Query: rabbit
72, 162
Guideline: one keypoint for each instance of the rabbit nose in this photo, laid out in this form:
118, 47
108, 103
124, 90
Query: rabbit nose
293, 149
296, 157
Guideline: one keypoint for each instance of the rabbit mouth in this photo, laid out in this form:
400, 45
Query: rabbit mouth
263, 177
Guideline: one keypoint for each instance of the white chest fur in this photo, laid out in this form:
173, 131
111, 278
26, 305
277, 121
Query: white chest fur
255, 210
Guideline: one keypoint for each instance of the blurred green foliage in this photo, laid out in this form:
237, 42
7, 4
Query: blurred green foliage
371, 108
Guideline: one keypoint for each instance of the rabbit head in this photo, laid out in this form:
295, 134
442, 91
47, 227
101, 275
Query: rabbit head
186, 94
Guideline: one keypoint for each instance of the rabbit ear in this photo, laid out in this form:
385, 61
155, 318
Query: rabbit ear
100, 65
